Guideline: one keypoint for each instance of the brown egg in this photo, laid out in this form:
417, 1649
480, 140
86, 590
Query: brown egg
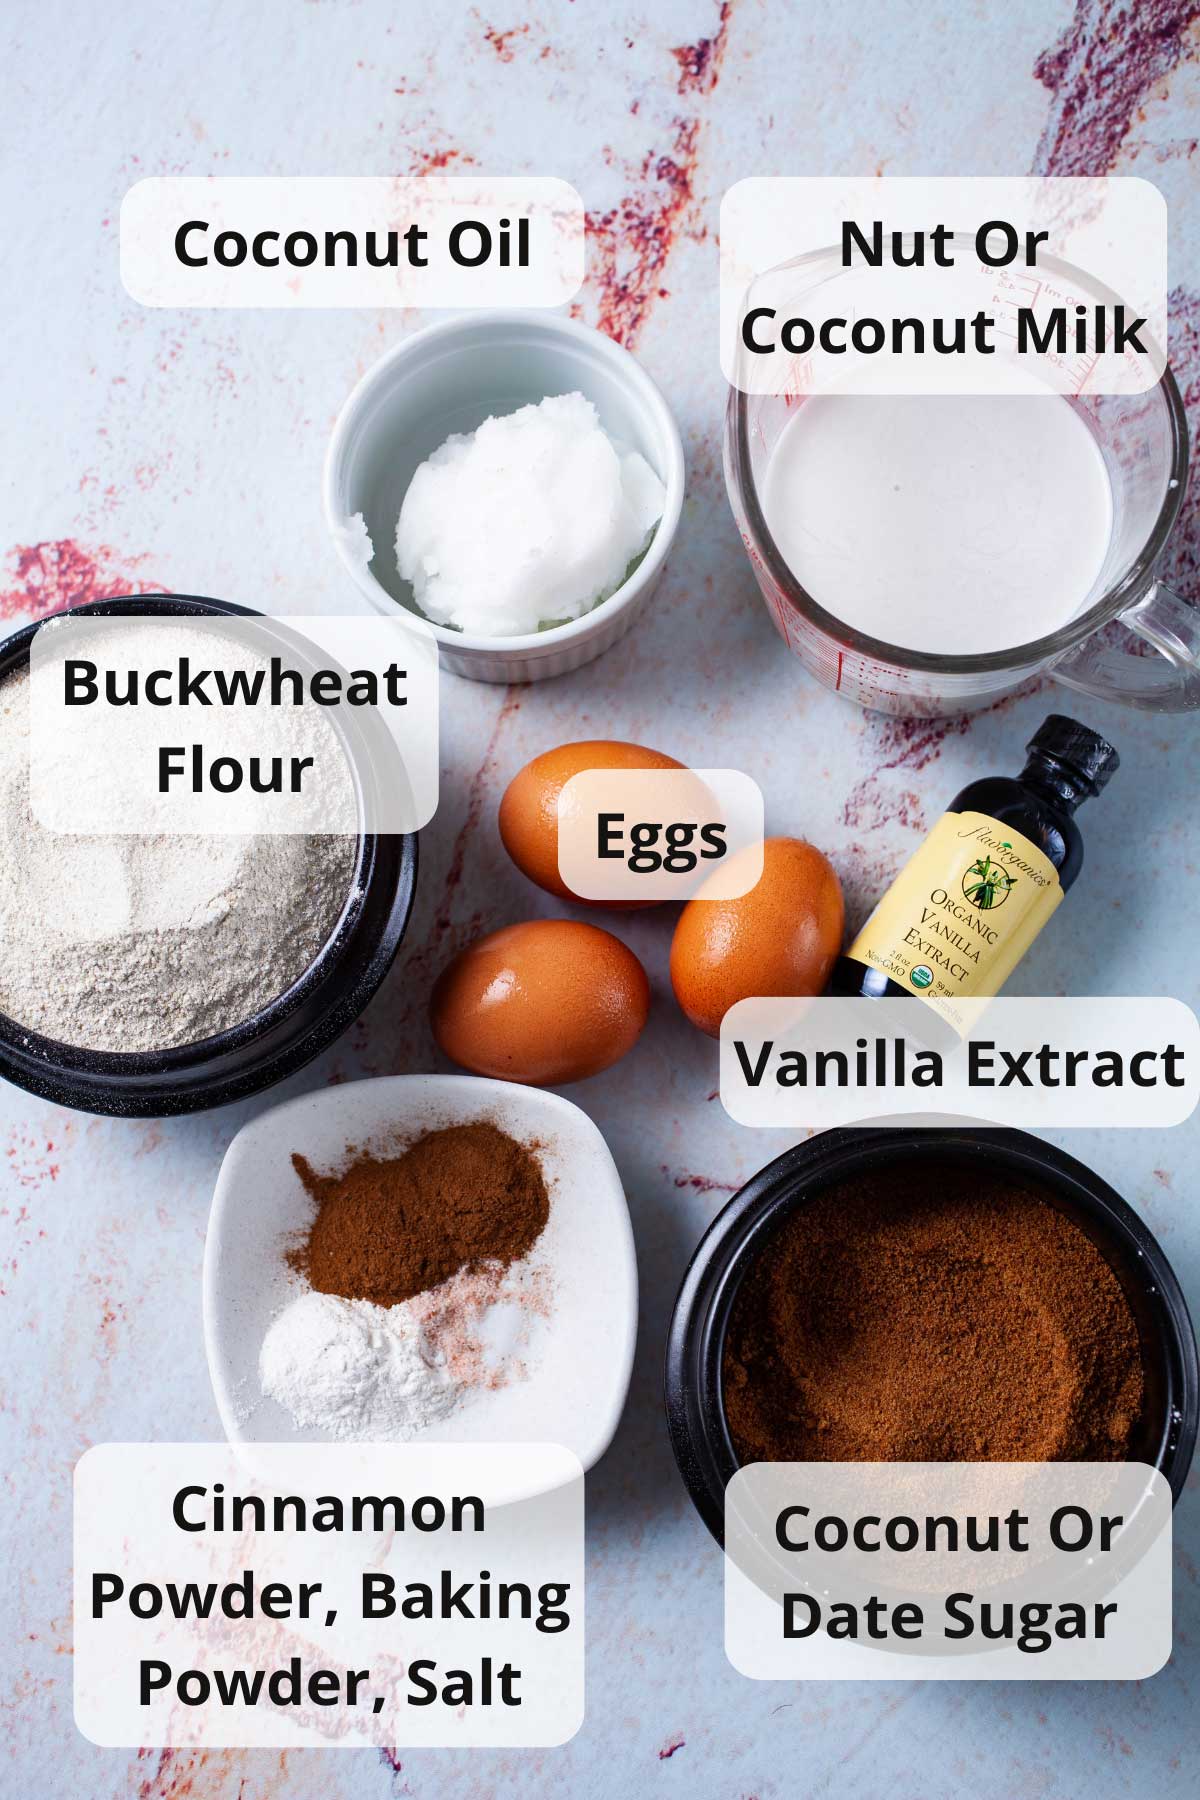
780, 938
529, 809
547, 1002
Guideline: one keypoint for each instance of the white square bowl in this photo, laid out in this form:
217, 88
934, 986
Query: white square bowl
579, 1357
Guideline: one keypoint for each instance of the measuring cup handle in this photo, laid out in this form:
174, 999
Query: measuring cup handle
1168, 681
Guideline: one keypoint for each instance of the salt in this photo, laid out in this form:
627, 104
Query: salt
530, 521
350, 1369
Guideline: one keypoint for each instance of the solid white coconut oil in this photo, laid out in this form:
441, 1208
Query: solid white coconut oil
948, 524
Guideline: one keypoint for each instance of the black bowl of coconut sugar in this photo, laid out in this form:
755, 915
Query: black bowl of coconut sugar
149, 975
926, 1296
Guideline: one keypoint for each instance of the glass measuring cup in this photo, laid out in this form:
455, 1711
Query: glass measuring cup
1133, 641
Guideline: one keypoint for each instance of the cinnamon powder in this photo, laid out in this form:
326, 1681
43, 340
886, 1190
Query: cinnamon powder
388, 1228
935, 1318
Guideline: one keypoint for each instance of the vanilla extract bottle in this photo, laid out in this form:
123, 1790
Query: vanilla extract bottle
966, 907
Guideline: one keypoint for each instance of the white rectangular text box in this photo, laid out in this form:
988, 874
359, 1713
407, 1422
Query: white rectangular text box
948, 1571
377, 241
329, 1595
995, 305
230, 724
1049, 1062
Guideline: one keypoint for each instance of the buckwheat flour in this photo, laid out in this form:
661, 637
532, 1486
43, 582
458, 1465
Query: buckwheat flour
145, 943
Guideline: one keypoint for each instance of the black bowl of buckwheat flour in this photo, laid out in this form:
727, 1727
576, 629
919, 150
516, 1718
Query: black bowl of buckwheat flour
144, 976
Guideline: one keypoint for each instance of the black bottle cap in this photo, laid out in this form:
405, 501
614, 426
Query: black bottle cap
1083, 751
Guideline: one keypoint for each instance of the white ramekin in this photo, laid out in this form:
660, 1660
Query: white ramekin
450, 377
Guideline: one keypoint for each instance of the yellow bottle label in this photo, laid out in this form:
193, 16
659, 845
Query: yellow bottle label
962, 912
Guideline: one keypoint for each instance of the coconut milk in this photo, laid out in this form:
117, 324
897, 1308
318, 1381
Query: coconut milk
949, 524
